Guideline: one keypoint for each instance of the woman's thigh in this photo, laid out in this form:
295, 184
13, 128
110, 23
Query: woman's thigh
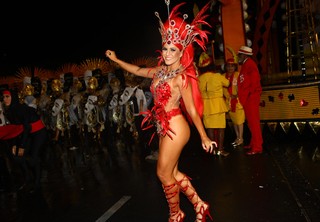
171, 148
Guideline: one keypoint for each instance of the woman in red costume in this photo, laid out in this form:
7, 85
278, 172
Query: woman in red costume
176, 95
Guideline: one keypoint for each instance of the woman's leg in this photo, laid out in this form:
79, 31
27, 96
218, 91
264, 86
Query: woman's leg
185, 186
221, 139
221, 151
236, 130
167, 165
201, 207
239, 133
172, 179
212, 134
240, 130
38, 143
233, 117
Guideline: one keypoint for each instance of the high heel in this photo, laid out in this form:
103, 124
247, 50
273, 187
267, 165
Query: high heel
172, 196
187, 189
223, 153
239, 142
215, 152
234, 143
202, 211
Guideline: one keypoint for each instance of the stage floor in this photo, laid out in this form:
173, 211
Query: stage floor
282, 184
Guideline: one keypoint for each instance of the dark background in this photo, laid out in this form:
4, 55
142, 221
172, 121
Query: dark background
49, 34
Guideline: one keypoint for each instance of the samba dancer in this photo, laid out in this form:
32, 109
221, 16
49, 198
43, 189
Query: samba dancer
176, 92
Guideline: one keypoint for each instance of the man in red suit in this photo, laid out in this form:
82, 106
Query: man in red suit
249, 92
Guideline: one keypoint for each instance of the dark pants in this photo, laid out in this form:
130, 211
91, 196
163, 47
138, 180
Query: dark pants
5, 175
30, 162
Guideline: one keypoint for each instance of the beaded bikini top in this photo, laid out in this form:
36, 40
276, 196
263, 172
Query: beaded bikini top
166, 102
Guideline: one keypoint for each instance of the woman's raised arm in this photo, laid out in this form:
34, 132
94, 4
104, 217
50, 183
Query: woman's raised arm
131, 68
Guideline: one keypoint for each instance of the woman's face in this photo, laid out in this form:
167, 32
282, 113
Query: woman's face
231, 68
7, 99
171, 54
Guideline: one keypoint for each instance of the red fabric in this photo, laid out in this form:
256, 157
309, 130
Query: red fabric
249, 91
233, 104
10, 131
38, 125
249, 81
6, 92
251, 110
231, 61
234, 101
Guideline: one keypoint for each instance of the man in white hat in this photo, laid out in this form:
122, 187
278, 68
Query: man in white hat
249, 92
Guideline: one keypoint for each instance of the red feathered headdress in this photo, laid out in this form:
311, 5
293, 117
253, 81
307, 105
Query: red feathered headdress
178, 32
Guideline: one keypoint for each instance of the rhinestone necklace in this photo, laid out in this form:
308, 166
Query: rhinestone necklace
163, 74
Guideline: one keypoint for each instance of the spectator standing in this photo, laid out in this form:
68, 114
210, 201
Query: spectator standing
211, 85
249, 92
236, 112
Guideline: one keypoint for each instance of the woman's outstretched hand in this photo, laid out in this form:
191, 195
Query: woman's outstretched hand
208, 145
111, 55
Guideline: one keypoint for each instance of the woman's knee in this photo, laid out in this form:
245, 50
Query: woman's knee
165, 176
162, 177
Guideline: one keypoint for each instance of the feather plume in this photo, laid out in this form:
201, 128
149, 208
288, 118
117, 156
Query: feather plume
69, 67
234, 54
95, 63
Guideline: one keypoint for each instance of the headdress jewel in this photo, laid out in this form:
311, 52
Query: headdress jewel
179, 32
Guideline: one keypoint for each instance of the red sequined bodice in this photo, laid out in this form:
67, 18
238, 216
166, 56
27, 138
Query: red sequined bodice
166, 105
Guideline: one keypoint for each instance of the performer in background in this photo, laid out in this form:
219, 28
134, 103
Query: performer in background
211, 84
236, 112
27, 147
177, 99
249, 92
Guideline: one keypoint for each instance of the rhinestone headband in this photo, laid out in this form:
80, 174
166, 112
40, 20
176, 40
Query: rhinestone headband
178, 32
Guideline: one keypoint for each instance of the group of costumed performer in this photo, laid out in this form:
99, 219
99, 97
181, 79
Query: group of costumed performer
77, 103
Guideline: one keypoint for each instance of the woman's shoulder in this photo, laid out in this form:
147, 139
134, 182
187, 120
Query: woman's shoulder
181, 76
155, 69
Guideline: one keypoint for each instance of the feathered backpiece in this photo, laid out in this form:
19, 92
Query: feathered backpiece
43, 74
145, 62
9, 81
93, 64
69, 68
178, 32
25, 88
